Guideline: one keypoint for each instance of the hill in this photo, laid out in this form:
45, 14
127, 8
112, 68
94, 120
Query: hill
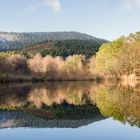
65, 48
12, 41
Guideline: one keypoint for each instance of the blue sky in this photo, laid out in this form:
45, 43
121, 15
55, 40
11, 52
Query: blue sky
107, 19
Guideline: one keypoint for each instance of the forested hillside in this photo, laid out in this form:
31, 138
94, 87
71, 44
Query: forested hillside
65, 48
14, 41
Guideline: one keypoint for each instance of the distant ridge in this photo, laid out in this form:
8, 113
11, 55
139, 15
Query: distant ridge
13, 40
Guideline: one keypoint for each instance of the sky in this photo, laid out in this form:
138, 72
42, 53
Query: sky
108, 19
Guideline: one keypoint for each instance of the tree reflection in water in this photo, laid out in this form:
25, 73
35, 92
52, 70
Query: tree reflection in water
87, 101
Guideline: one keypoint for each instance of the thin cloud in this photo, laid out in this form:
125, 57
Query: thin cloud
55, 5
131, 4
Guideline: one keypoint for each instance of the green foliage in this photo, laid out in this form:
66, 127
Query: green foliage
119, 103
71, 47
107, 54
7, 53
119, 57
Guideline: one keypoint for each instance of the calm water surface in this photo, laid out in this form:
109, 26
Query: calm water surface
69, 111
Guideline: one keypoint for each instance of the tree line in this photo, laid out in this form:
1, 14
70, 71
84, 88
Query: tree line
120, 57
75, 67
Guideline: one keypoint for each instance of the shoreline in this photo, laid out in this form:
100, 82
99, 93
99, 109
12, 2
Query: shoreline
112, 78
10, 79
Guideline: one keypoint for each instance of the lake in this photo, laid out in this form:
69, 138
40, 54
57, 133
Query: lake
70, 111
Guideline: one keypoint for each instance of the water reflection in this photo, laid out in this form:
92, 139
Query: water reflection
68, 104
